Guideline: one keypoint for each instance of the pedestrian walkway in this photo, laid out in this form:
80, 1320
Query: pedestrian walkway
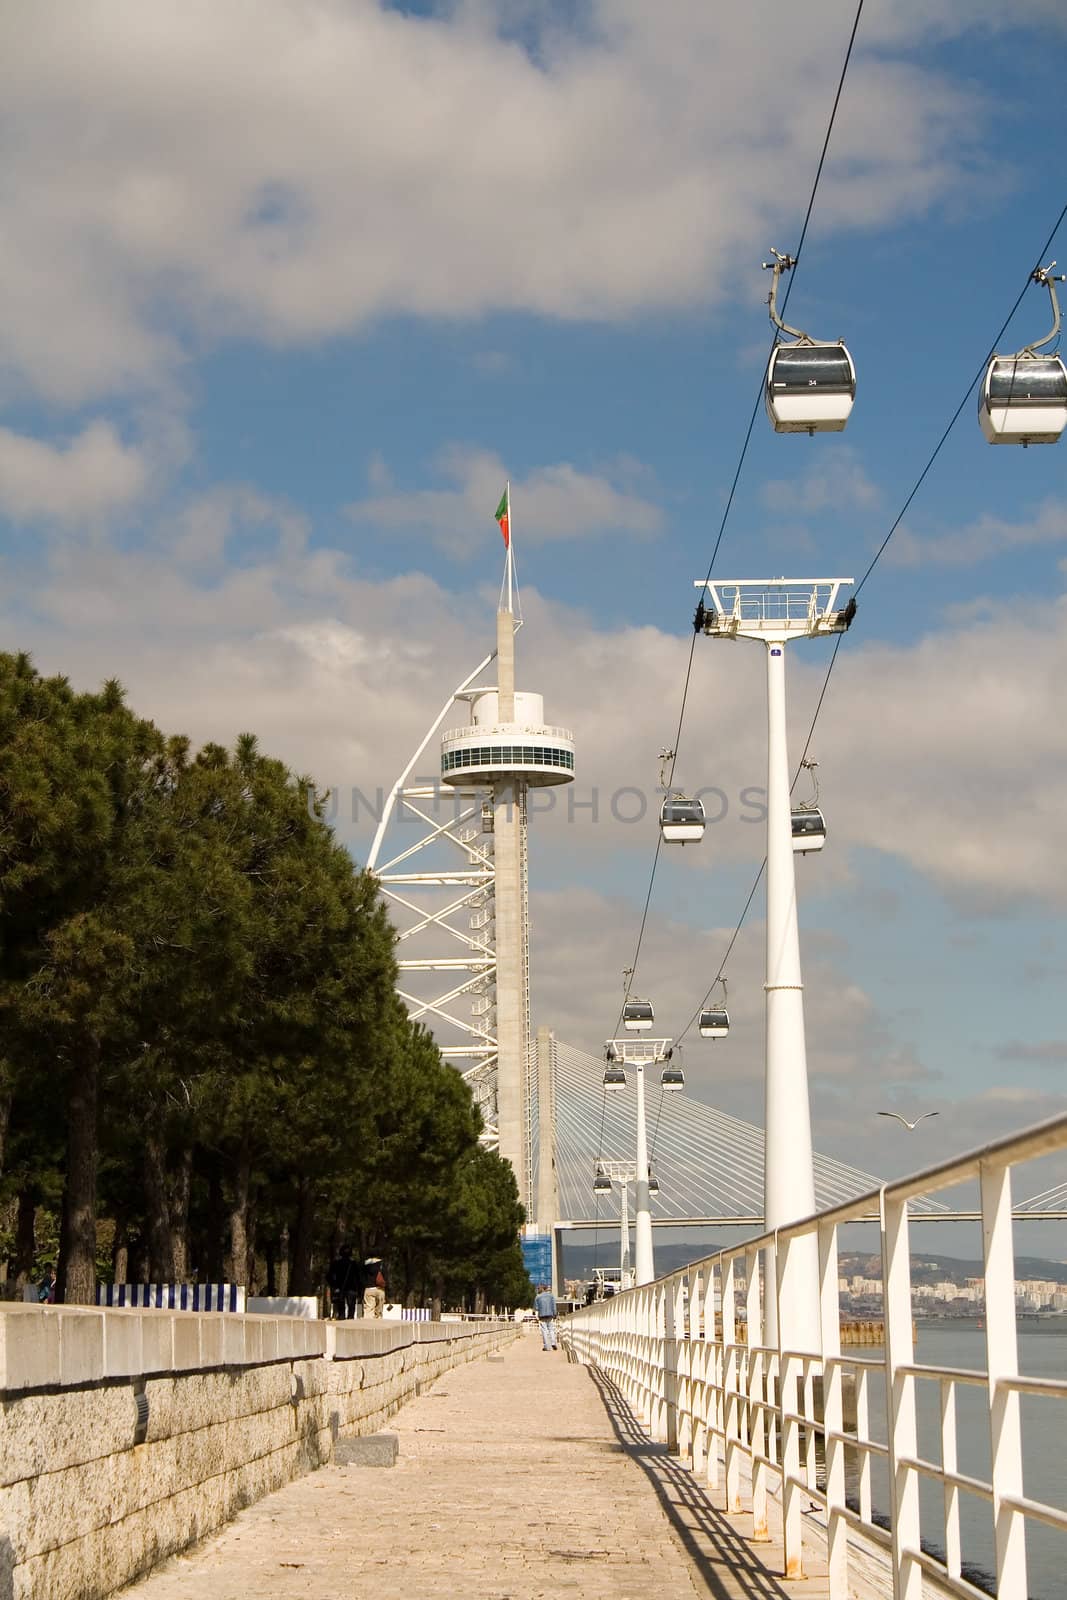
517, 1478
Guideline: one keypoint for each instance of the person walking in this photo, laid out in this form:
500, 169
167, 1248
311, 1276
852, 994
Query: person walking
373, 1286
343, 1281
545, 1307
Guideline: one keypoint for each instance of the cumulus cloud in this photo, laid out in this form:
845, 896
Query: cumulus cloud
92, 475
982, 539
558, 501
288, 172
838, 482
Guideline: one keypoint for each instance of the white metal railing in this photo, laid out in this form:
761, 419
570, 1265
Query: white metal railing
509, 732
687, 1353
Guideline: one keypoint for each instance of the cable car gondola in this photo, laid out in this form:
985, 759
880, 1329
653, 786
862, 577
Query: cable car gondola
809, 829
653, 1183
601, 1183
810, 384
1024, 396
638, 1015
614, 1076
681, 820
808, 822
715, 1020
672, 1077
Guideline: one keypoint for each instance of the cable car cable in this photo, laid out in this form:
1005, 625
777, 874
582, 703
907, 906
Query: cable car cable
741, 459
874, 562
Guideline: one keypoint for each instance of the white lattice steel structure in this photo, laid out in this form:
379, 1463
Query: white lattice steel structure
458, 890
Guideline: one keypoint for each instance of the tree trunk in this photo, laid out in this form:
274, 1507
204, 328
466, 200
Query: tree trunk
25, 1237
76, 1275
180, 1189
270, 1261
303, 1235
120, 1252
283, 1261
5, 1123
237, 1266
216, 1225
160, 1238
438, 1297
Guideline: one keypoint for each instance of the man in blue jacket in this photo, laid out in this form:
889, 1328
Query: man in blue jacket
545, 1307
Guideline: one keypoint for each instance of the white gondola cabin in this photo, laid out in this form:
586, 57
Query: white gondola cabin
810, 388
714, 1022
809, 829
681, 820
638, 1015
672, 1077
614, 1076
1024, 400
601, 1183
1024, 397
653, 1183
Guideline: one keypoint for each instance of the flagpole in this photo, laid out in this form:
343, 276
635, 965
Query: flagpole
511, 536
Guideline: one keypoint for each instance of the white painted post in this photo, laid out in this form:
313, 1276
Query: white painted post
900, 1399
757, 1390
950, 1463
731, 1409
833, 1416
788, 1181
790, 1389
698, 1355
1002, 1363
643, 1259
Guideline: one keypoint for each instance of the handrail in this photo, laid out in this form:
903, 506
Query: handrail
673, 1347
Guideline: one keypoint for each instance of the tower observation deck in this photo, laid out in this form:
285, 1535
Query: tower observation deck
464, 912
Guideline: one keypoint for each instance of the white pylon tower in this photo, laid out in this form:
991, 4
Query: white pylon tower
639, 1054
775, 612
463, 908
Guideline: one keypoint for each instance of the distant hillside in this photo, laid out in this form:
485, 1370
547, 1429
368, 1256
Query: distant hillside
929, 1268
926, 1267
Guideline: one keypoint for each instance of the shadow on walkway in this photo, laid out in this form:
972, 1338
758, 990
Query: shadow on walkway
722, 1557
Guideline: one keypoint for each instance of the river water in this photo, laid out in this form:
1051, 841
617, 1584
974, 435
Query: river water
1042, 1354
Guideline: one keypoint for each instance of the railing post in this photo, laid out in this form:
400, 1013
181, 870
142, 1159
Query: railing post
684, 1406
713, 1389
669, 1353
731, 1387
1002, 1362
790, 1391
698, 1372
832, 1416
757, 1392
900, 1399
950, 1463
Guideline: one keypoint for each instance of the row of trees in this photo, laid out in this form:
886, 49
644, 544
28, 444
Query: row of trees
204, 1068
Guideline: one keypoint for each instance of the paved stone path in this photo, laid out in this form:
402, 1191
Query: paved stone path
517, 1479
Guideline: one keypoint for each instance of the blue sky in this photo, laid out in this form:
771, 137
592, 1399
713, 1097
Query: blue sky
286, 294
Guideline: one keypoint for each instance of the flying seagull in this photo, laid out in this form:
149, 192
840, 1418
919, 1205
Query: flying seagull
911, 1126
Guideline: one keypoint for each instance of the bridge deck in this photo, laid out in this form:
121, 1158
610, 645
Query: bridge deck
516, 1479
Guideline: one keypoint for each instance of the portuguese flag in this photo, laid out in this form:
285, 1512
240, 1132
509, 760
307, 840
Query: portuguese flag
503, 516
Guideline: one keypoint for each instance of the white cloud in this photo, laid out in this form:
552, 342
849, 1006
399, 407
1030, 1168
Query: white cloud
92, 475
555, 502
988, 536
838, 482
287, 172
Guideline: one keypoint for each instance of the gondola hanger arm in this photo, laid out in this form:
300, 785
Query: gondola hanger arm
782, 263
1050, 279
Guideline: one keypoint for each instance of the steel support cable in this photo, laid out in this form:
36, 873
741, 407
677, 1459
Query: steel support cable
897, 520
741, 462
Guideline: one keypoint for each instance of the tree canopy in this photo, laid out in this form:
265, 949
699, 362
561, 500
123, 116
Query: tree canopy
205, 1068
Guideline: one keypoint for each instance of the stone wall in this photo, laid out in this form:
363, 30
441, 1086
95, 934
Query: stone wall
126, 1436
